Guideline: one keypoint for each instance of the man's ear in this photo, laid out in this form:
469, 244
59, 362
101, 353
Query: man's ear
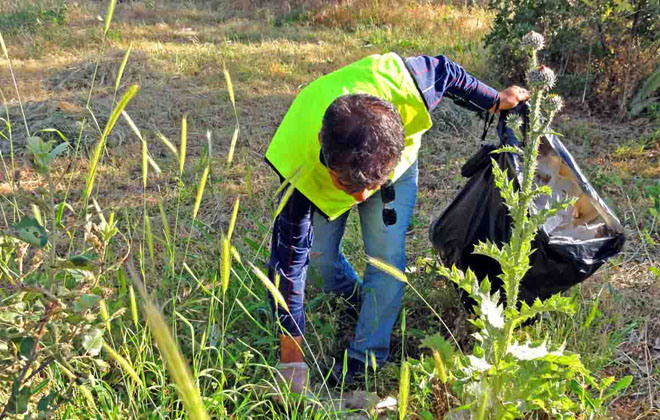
320, 138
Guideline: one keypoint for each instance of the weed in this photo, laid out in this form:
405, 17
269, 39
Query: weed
505, 377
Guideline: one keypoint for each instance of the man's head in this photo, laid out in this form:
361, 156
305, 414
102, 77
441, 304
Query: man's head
362, 138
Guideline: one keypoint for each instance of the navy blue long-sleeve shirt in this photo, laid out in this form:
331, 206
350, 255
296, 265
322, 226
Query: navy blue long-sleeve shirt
436, 77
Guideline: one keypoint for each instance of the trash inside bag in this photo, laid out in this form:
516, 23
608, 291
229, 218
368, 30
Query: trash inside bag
570, 246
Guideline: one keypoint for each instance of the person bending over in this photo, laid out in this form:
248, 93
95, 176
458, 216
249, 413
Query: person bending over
351, 139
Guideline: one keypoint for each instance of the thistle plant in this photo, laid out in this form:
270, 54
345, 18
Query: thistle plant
506, 376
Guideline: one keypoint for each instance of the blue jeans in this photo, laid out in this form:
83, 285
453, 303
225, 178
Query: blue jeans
381, 293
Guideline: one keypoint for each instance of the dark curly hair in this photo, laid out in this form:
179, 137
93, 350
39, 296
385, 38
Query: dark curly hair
362, 138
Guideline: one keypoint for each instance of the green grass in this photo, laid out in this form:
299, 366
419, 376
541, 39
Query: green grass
227, 339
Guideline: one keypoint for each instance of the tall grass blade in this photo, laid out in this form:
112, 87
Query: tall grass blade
236, 255
122, 362
248, 181
294, 176
277, 296
234, 215
440, 366
176, 364
209, 144
167, 143
200, 192
132, 125
103, 309
166, 225
134, 310
249, 315
145, 165
122, 66
4, 47
232, 147
184, 140
230, 85
225, 264
99, 212
385, 267
108, 15
13, 78
88, 396
644, 96
404, 389
285, 197
91, 176
149, 236
237, 129
153, 163
36, 212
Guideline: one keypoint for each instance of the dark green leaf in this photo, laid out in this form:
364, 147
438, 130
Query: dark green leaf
438, 343
426, 415
30, 231
86, 302
60, 148
44, 402
592, 314
36, 389
622, 384
19, 404
85, 261
27, 347
121, 280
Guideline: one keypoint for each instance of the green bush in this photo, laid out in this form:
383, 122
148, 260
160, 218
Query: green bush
29, 18
603, 50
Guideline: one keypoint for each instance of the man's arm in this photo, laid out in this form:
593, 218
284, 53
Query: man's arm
437, 77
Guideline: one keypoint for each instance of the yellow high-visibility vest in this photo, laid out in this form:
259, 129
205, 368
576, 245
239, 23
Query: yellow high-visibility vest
294, 150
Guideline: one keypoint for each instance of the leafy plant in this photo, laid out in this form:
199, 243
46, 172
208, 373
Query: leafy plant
647, 94
53, 316
32, 15
604, 49
507, 376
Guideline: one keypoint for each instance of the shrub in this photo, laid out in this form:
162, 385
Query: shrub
603, 50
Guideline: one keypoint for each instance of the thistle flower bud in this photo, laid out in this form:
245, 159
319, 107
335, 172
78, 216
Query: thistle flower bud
543, 77
554, 103
533, 41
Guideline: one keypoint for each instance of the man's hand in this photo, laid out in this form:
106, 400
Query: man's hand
510, 97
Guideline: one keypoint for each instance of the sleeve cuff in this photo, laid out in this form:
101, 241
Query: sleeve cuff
483, 96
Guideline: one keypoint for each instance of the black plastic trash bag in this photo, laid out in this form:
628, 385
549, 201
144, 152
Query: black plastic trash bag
570, 247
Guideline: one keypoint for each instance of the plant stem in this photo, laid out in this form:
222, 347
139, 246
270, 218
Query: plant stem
483, 404
52, 255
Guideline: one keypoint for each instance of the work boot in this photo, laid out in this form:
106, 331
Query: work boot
292, 371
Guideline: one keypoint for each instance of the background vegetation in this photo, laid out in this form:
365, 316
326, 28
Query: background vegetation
147, 197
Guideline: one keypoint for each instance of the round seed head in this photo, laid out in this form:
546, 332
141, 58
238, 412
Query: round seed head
543, 77
554, 103
533, 41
